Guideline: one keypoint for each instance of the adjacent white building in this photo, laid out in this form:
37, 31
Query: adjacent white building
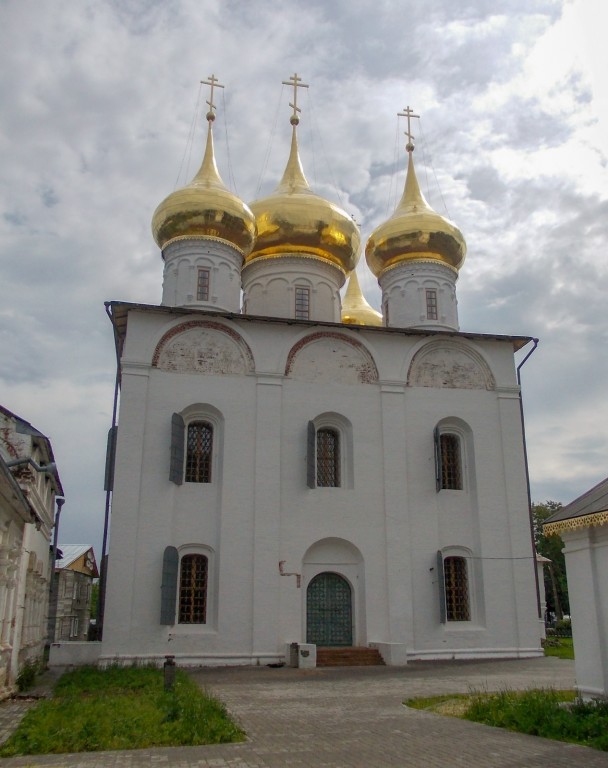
29, 486
289, 469
583, 526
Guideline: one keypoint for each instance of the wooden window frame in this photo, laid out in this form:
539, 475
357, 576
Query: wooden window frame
431, 304
193, 589
456, 588
302, 302
203, 284
451, 461
199, 452
449, 473
328, 457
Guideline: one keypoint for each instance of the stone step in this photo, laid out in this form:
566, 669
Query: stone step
348, 657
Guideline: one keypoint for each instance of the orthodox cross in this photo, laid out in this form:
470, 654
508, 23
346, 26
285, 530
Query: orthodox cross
409, 113
214, 83
296, 82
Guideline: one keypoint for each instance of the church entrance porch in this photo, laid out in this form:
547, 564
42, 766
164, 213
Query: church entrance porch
329, 611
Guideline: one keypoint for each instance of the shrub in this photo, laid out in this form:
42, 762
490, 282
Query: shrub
27, 675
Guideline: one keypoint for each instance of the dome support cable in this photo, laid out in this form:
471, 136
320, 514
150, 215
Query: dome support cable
269, 146
434, 174
315, 124
190, 139
231, 178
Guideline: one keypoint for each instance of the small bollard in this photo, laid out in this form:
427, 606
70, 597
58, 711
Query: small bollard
169, 672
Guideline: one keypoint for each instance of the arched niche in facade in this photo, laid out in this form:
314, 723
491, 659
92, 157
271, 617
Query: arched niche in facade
203, 346
446, 364
332, 358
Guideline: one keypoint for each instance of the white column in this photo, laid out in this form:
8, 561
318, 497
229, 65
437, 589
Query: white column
267, 514
396, 520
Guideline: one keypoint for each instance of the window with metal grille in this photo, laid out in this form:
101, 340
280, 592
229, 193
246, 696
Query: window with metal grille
199, 447
456, 589
302, 303
193, 589
328, 458
202, 285
451, 475
431, 304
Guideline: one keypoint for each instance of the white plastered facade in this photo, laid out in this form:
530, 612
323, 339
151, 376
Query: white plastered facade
27, 508
267, 534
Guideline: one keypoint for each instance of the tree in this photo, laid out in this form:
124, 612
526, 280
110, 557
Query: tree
556, 584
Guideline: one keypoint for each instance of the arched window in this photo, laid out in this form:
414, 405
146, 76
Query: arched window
431, 304
451, 474
199, 448
193, 581
196, 445
456, 589
448, 461
302, 302
329, 452
328, 458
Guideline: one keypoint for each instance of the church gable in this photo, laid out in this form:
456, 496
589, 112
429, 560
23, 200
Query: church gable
446, 365
331, 358
203, 347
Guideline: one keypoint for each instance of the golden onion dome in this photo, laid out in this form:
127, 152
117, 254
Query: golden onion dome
415, 232
205, 208
355, 308
293, 220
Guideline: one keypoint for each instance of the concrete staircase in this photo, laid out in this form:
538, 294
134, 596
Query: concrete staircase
348, 657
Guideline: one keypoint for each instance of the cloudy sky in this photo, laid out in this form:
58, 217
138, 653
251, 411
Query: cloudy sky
99, 105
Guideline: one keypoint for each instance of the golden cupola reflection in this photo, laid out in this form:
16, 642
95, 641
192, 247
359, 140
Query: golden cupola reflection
355, 308
293, 220
415, 232
205, 208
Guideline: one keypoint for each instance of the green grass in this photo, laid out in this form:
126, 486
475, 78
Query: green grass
121, 708
549, 713
564, 648
542, 713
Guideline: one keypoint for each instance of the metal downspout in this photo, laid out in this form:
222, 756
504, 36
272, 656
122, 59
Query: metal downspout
523, 432
108, 506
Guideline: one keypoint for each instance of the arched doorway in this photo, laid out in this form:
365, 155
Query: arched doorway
329, 611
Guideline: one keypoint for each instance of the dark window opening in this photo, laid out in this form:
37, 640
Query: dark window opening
302, 303
456, 589
451, 475
202, 285
193, 589
431, 304
328, 458
199, 447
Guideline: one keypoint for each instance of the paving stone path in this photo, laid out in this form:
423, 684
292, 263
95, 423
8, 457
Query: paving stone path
354, 718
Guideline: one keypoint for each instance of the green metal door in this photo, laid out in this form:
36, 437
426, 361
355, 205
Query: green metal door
329, 611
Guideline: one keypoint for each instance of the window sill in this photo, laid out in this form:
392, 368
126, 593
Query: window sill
180, 630
463, 626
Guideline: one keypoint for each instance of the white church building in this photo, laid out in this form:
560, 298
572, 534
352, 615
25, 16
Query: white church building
294, 468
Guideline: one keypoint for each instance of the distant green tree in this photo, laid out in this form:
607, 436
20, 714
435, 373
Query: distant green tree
556, 584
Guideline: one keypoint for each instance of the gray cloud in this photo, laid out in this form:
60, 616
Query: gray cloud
100, 100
